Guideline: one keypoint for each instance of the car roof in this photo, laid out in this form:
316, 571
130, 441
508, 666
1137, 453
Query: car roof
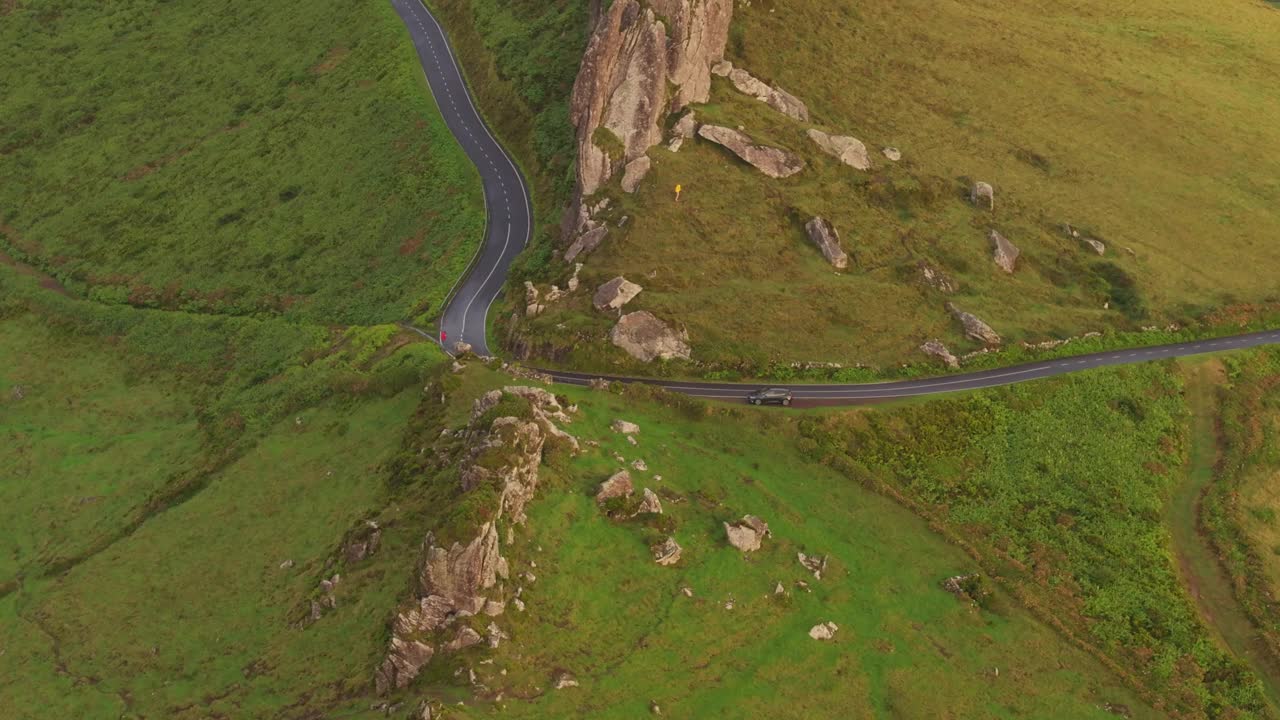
776, 391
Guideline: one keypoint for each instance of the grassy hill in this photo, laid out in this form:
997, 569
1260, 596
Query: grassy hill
1140, 124
281, 158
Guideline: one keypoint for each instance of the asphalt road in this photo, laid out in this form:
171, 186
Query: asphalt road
510, 222
509, 217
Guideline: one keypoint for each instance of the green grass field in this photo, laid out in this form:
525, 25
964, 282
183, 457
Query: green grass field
1138, 124
281, 158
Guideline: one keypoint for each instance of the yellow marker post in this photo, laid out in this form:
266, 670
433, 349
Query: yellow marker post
678, 189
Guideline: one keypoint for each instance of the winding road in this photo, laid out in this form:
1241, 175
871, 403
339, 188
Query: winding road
510, 223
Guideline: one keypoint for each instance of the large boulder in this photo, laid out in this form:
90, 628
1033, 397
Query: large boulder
848, 150
974, 328
644, 59
771, 95
586, 242
615, 293
746, 534
823, 631
635, 171
649, 504
935, 348
983, 194
646, 338
1004, 253
618, 485
824, 235
774, 162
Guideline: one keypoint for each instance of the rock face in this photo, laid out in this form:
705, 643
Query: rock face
618, 485
586, 242
747, 533
773, 162
823, 631
615, 293
773, 96
635, 171
983, 194
667, 552
463, 579
1004, 253
636, 51
848, 150
974, 328
824, 235
936, 349
646, 338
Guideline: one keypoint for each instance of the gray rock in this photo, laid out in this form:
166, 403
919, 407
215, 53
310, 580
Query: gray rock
618, 485
465, 638
824, 235
813, 563
615, 293
667, 553
746, 534
647, 338
1096, 245
461, 348
823, 631
564, 679
625, 427
936, 278
403, 663
686, 127
635, 171
1004, 253
773, 162
974, 328
983, 194
650, 504
771, 95
848, 150
936, 349
893, 153
586, 242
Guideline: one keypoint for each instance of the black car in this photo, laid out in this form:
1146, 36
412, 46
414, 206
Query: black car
770, 396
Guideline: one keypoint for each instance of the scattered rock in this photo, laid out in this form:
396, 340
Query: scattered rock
649, 504
747, 533
639, 465
635, 171
461, 348
364, 544
1096, 245
465, 638
823, 631
773, 162
779, 590
824, 235
586, 242
518, 604
494, 635
668, 552
618, 485
646, 338
1004, 252
814, 564
632, 440
687, 591
1117, 709
18, 392
974, 328
983, 194
286, 564
494, 608
563, 679
675, 144
572, 284
936, 349
625, 427
893, 153
935, 278
773, 96
848, 150
615, 293
425, 712
686, 127
654, 708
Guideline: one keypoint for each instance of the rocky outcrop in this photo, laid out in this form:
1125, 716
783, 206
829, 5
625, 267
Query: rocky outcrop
935, 278
1004, 253
635, 171
823, 631
771, 95
935, 348
646, 338
464, 577
586, 242
618, 485
773, 162
746, 534
824, 235
638, 50
848, 150
983, 194
974, 328
615, 293
667, 552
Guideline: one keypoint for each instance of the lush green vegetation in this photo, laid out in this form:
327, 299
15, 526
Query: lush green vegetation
280, 158
1069, 112
1060, 490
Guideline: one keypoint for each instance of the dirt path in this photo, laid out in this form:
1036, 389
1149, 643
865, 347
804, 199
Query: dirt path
1198, 565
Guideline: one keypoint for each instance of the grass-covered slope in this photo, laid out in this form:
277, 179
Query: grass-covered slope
1141, 123
233, 157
